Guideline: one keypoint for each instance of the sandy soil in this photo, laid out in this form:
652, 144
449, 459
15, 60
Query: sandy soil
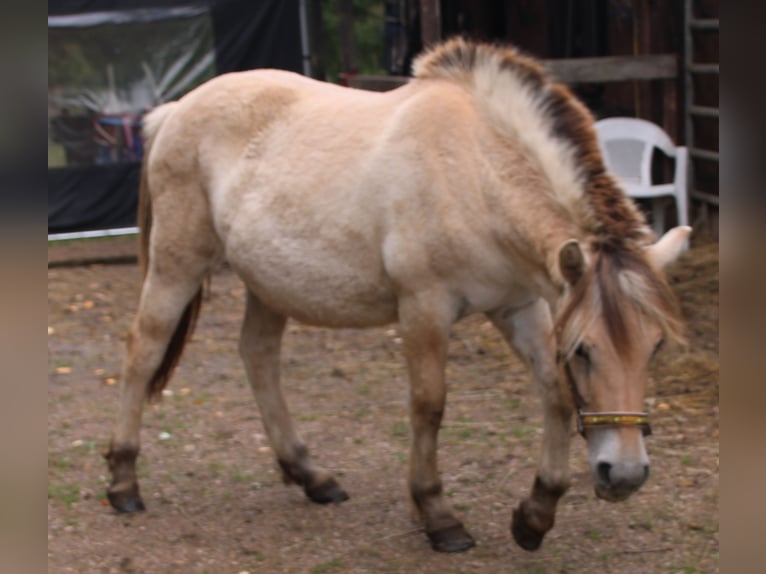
215, 499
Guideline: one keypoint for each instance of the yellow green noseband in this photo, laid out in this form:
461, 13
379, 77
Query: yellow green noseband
616, 419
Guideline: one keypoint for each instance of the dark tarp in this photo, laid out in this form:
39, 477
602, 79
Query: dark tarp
110, 61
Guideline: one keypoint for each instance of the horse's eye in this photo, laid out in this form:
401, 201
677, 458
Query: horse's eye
582, 352
658, 346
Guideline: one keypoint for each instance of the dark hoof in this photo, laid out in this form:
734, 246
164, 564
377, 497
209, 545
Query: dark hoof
524, 535
126, 500
326, 492
451, 539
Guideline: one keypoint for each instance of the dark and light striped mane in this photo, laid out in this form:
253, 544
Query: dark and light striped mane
506, 78
526, 104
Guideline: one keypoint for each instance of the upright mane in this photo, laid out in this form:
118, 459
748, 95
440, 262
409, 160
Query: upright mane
550, 122
524, 103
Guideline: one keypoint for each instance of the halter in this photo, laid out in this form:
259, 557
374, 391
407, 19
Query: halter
587, 419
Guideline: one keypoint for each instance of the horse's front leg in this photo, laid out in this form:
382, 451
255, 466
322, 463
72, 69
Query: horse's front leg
529, 330
425, 322
260, 346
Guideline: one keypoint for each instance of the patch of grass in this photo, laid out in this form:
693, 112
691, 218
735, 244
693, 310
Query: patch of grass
334, 565
358, 440
203, 398
62, 464
513, 404
523, 432
593, 534
401, 428
66, 493
142, 471
645, 524
307, 418
259, 557
216, 469
686, 460
86, 447
243, 477
364, 390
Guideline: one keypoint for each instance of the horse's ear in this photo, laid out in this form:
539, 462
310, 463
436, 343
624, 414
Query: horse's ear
670, 246
571, 261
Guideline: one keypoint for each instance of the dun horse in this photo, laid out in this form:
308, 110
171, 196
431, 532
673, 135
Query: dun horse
478, 187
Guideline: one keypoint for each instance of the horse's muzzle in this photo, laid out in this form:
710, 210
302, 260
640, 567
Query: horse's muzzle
617, 482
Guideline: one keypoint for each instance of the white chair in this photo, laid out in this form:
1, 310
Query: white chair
628, 145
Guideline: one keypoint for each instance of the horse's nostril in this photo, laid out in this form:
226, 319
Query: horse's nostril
646, 473
603, 469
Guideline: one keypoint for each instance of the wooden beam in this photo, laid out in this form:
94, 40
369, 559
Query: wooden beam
571, 71
613, 69
430, 22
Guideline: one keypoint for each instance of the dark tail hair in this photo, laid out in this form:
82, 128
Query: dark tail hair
186, 324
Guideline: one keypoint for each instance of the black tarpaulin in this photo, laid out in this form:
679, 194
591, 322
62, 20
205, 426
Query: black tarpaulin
111, 61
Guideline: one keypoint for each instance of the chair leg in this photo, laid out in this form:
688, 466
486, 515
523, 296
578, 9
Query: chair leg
683, 210
658, 215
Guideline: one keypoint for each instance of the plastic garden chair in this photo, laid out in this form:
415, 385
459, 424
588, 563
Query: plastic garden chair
628, 145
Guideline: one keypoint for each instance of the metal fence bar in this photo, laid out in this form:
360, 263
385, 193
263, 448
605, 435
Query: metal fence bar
703, 111
704, 68
704, 154
93, 233
705, 24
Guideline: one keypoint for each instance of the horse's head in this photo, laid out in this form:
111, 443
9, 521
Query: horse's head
617, 311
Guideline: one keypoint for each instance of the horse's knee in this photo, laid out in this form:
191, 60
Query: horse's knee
427, 413
423, 492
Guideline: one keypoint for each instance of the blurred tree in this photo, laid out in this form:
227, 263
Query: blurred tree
368, 18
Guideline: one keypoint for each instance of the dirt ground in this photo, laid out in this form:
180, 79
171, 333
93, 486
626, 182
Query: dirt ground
215, 500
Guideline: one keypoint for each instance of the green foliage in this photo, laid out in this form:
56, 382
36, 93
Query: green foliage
334, 565
66, 493
369, 29
401, 428
594, 534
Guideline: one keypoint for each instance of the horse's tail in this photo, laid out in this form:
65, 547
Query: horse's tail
152, 123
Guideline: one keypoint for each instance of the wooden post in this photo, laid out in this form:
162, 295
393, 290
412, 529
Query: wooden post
642, 45
315, 39
430, 22
670, 108
347, 40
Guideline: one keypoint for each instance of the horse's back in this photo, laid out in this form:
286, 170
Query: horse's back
329, 201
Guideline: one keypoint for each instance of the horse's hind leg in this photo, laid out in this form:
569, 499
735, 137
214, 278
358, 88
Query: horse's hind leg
260, 346
529, 331
425, 324
164, 301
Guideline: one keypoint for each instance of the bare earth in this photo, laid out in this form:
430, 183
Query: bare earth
215, 500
